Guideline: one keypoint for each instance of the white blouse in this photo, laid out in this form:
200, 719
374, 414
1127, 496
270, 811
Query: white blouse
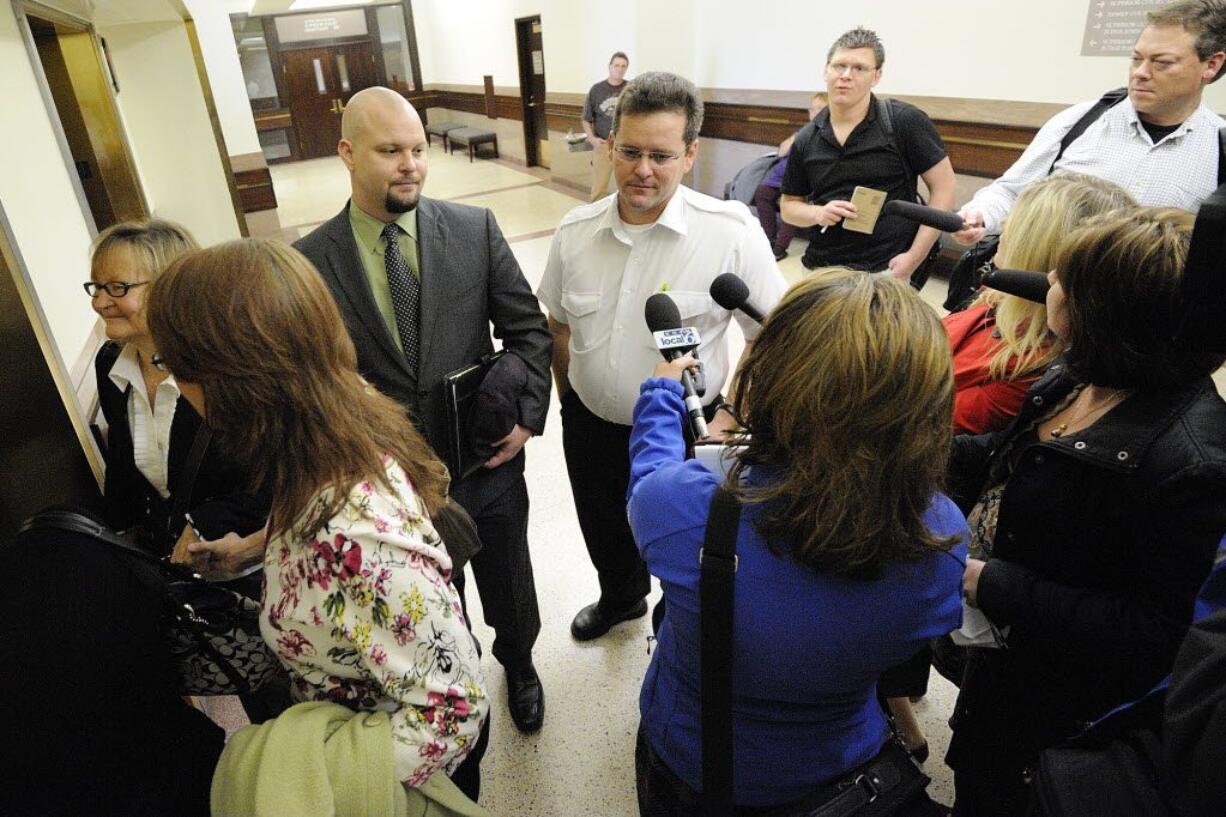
150, 425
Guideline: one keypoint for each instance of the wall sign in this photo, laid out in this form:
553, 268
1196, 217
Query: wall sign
298, 28
1112, 26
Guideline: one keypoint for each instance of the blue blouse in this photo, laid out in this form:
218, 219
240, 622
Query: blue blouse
808, 648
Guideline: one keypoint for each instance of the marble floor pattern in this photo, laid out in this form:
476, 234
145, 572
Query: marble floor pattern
582, 761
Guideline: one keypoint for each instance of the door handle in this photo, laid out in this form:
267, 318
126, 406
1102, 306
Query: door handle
338, 107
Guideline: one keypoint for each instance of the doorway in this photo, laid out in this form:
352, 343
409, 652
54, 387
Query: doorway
320, 81
80, 97
529, 45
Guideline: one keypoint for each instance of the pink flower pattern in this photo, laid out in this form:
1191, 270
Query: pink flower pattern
362, 613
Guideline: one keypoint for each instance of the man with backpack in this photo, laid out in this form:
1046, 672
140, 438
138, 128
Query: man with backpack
1156, 138
862, 141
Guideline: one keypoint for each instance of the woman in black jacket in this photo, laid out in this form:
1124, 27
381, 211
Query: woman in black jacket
152, 479
1098, 511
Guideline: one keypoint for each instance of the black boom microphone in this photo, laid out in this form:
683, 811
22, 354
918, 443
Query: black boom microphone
1030, 286
942, 220
730, 292
662, 315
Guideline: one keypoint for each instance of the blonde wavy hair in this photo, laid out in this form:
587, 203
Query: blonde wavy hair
1040, 220
847, 393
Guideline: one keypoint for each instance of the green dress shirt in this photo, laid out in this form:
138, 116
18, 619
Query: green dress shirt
368, 233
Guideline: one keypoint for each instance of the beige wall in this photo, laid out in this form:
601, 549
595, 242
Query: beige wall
225, 76
937, 48
51, 231
176, 152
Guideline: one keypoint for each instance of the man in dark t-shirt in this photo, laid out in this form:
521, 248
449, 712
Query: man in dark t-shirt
598, 120
849, 144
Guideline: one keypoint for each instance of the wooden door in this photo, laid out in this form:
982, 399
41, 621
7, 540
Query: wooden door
314, 100
320, 81
532, 89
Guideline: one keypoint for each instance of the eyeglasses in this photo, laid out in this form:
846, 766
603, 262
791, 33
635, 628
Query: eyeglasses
841, 68
634, 155
116, 289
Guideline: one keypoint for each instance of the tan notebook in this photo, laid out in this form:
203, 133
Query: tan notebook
868, 204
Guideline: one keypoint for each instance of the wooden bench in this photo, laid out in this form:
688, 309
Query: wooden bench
441, 130
471, 138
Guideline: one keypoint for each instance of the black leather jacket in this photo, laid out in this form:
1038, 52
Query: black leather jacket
1102, 541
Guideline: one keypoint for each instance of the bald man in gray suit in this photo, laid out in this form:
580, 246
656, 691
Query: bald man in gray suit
422, 306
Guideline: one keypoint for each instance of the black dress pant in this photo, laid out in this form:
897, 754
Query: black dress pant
598, 464
503, 573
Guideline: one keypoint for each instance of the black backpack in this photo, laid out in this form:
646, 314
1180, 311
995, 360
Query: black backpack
966, 274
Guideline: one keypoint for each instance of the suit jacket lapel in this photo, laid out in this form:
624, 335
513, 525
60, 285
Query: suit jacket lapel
352, 279
432, 255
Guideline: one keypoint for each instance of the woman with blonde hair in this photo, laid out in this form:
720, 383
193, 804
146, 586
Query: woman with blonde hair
358, 600
848, 555
161, 467
1000, 343
1098, 511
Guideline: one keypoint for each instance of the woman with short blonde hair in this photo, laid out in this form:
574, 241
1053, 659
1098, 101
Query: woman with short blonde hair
152, 483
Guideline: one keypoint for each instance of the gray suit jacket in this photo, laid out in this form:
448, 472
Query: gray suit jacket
470, 280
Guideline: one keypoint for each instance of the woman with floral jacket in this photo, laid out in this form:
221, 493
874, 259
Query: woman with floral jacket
358, 601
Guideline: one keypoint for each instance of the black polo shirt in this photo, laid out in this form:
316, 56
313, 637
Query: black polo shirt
822, 170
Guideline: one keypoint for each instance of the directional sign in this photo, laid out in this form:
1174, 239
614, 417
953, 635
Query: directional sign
1112, 26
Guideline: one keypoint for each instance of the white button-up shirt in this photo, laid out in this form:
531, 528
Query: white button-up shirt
1181, 170
600, 273
150, 426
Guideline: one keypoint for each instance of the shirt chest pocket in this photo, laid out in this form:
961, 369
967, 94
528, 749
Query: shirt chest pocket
588, 327
696, 309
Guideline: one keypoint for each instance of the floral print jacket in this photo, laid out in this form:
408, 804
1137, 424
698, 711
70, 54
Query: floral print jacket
362, 613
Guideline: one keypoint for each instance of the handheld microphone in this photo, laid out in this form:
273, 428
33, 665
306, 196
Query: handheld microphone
663, 317
730, 292
1030, 286
942, 220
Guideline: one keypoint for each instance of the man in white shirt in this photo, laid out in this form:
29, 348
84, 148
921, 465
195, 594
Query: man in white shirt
1161, 143
607, 258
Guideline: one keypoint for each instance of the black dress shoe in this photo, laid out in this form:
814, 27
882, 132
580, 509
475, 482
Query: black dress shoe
526, 698
592, 622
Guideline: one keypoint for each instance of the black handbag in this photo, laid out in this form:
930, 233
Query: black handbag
213, 632
891, 783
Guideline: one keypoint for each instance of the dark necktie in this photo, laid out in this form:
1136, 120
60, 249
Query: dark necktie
406, 295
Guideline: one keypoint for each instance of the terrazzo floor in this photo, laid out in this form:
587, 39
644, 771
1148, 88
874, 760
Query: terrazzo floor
582, 761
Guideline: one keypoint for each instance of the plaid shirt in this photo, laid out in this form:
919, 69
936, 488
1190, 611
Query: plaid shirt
1181, 170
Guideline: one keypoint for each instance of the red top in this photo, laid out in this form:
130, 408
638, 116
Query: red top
980, 405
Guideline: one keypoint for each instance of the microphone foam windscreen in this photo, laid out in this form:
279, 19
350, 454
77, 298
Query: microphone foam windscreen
661, 313
942, 220
1031, 286
729, 291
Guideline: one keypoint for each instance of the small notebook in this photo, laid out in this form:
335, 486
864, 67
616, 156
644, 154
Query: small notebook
868, 204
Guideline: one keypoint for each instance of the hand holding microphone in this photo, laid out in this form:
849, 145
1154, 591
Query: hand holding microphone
676, 342
973, 230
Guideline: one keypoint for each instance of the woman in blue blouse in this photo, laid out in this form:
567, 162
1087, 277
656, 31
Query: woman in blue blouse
849, 558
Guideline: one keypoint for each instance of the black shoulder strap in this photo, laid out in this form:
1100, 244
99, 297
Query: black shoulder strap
887, 125
717, 561
1105, 102
191, 467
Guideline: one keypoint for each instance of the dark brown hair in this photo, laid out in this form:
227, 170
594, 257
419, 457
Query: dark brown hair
253, 323
847, 393
1122, 275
